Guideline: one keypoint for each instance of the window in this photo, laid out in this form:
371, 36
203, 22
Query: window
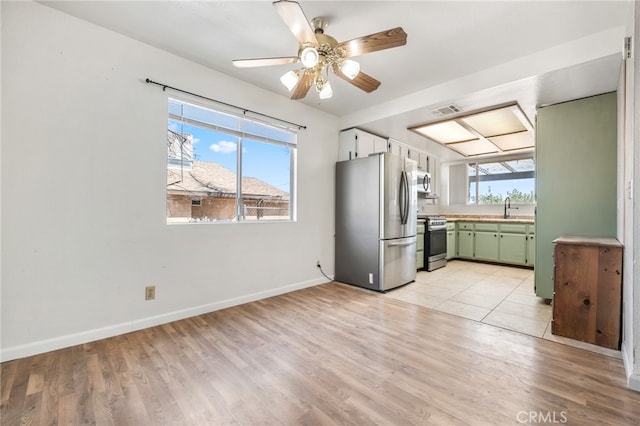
492, 183
223, 167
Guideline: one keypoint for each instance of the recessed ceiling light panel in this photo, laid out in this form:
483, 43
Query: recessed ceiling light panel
446, 132
493, 130
494, 123
476, 147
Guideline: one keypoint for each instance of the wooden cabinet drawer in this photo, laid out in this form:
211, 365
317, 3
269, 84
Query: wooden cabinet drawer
465, 226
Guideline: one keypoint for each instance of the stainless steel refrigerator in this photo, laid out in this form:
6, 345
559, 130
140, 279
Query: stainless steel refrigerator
376, 208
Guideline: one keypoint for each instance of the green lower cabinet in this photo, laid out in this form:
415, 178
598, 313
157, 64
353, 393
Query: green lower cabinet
487, 246
508, 243
465, 244
451, 244
531, 250
420, 246
513, 248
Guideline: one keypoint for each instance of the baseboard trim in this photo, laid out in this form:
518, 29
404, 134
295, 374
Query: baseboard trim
633, 379
47, 345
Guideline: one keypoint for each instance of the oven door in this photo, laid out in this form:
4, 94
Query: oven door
435, 243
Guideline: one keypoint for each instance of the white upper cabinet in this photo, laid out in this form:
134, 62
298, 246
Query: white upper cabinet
398, 148
356, 143
420, 157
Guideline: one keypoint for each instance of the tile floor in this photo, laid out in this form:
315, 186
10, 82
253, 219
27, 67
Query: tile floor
502, 296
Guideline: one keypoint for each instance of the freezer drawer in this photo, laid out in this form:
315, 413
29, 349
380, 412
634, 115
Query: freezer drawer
397, 262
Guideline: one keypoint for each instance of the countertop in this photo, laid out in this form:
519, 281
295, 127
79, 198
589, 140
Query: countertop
590, 241
490, 218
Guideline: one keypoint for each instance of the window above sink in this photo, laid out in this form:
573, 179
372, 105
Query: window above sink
492, 182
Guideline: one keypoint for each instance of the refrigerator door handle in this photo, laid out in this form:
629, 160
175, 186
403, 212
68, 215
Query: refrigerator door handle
402, 202
400, 244
407, 198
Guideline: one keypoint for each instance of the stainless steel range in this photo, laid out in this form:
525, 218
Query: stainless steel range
435, 243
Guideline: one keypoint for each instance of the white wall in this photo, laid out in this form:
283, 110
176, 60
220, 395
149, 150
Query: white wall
83, 190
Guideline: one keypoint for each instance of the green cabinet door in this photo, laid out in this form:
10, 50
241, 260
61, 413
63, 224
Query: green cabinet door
487, 246
451, 244
513, 248
531, 250
420, 248
465, 244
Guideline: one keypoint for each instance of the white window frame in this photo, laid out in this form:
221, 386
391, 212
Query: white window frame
240, 134
487, 160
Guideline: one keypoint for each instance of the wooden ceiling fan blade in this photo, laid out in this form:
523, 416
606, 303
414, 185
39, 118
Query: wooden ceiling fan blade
293, 16
373, 42
264, 62
302, 88
362, 81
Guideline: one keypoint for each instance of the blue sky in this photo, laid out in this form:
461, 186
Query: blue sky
267, 162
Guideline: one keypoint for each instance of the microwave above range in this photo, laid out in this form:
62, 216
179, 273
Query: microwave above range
423, 182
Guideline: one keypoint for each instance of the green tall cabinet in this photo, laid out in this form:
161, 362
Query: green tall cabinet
575, 177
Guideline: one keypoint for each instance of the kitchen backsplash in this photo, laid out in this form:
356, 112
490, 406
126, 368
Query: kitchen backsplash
427, 207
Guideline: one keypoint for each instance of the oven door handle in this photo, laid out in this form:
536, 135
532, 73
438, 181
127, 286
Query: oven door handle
437, 228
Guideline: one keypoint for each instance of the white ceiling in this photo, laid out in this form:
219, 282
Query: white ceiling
454, 51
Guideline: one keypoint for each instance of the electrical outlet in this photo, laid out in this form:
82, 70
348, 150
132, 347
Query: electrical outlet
150, 292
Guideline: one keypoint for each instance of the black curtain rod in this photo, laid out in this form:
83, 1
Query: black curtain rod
244, 110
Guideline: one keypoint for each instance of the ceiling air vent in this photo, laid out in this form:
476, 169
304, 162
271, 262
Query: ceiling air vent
446, 110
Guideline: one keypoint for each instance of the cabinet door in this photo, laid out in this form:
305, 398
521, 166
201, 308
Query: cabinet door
420, 157
465, 244
379, 144
365, 144
531, 250
513, 248
451, 244
487, 246
356, 143
398, 148
347, 147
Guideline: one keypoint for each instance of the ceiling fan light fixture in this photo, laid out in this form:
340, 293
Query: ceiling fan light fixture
309, 57
290, 79
350, 68
326, 92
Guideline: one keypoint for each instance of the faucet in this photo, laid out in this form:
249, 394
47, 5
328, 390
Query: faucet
507, 205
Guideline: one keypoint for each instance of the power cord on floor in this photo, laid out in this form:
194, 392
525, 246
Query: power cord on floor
322, 272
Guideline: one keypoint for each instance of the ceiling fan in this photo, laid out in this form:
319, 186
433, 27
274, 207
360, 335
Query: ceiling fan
320, 54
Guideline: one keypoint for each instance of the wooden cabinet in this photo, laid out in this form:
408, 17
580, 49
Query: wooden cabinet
587, 290
356, 143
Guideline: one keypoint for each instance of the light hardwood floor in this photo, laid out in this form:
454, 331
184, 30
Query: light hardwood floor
330, 354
